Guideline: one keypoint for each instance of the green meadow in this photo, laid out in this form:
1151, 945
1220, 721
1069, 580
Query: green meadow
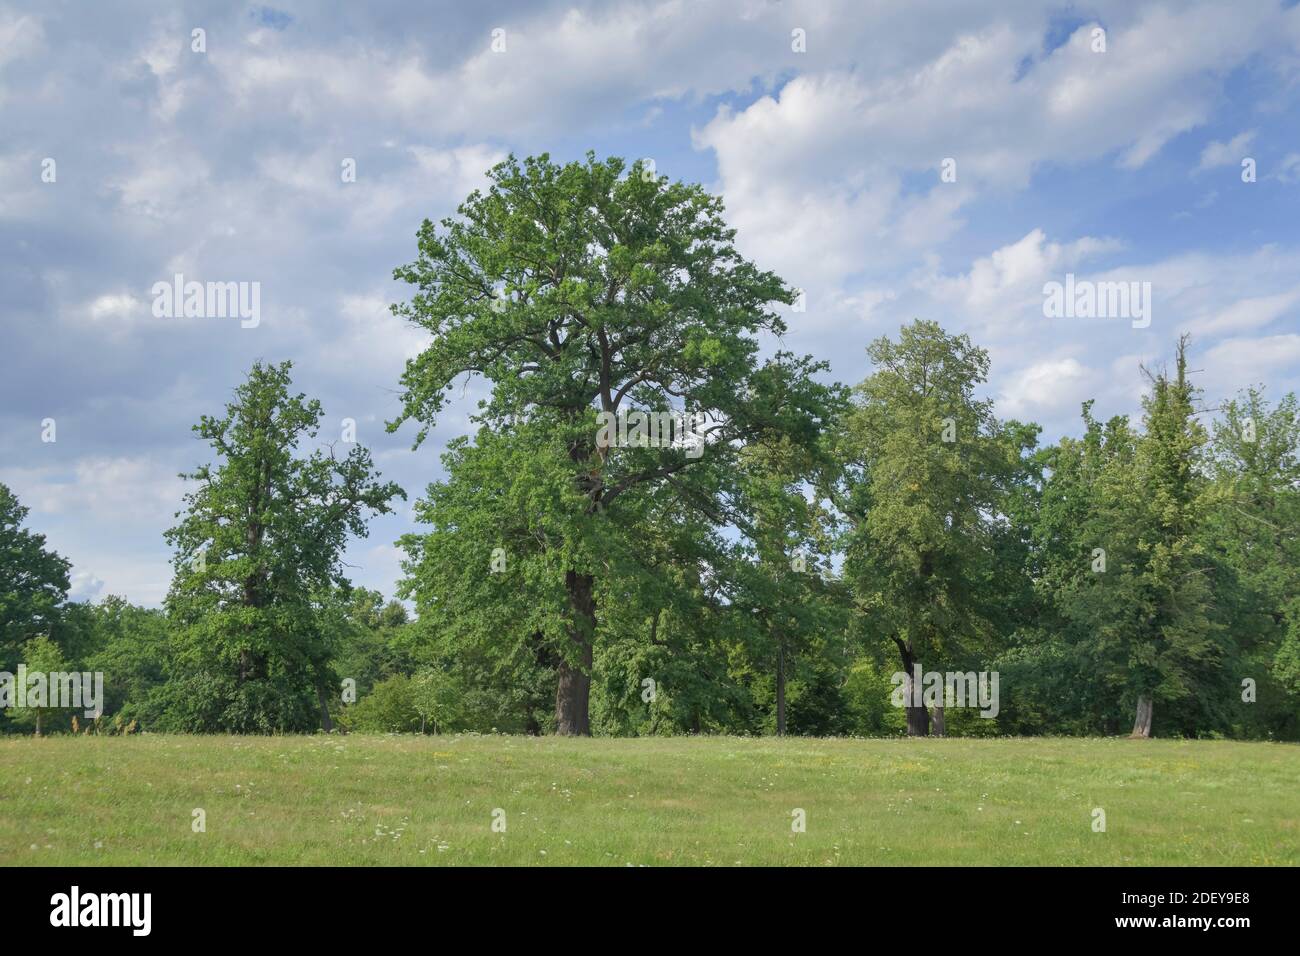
699, 801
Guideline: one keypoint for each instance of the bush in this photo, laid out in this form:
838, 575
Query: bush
867, 694
389, 708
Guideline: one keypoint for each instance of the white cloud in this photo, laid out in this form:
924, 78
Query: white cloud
841, 139
85, 586
163, 180
1246, 314
1012, 277
125, 488
1050, 389
1238, 362
1231, 153
1288, 171
115, 306
372, 341
21, 37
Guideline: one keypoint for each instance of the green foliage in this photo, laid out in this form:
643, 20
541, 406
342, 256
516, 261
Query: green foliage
575, 290
928, 479
867, 690
33, 581
257, 552
370, 639
1144, 623
770, 577
436, 696
43, 658
131, 646
389, 708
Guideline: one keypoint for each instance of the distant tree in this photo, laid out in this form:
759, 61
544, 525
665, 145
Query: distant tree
43, 658
1181, 638
435, 694
33, 581
389, 708
369, 637
130, 643
1061, 686
257, 555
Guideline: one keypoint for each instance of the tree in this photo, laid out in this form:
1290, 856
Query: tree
928, 470
434, 695
1058, 659
389, 708
671, 629
575, 290
370, 638
1144, 615
43, 660
257, 553
33, 581
779, 590
1253, 534
131, 645
1180, 631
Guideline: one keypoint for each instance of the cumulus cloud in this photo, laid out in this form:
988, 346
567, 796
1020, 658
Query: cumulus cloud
1013, 276
1050, 389
992, 102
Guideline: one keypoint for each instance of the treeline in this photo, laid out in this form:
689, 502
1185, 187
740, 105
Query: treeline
769, 573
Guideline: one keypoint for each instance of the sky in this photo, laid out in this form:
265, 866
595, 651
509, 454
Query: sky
894, 160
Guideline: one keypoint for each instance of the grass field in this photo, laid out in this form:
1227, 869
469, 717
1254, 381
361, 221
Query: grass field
705, 801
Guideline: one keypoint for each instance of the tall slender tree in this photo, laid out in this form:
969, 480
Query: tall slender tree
928, 469
1144, 612
257, 553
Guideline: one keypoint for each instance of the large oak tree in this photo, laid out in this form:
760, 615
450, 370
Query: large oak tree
591, 288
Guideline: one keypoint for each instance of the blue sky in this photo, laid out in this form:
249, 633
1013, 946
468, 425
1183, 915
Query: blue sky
225, 165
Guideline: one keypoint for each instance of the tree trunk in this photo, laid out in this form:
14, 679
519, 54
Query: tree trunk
940, 729
780, 690
326, 724
38, 721
918, 718
1142, 725
573, 691
573, 696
